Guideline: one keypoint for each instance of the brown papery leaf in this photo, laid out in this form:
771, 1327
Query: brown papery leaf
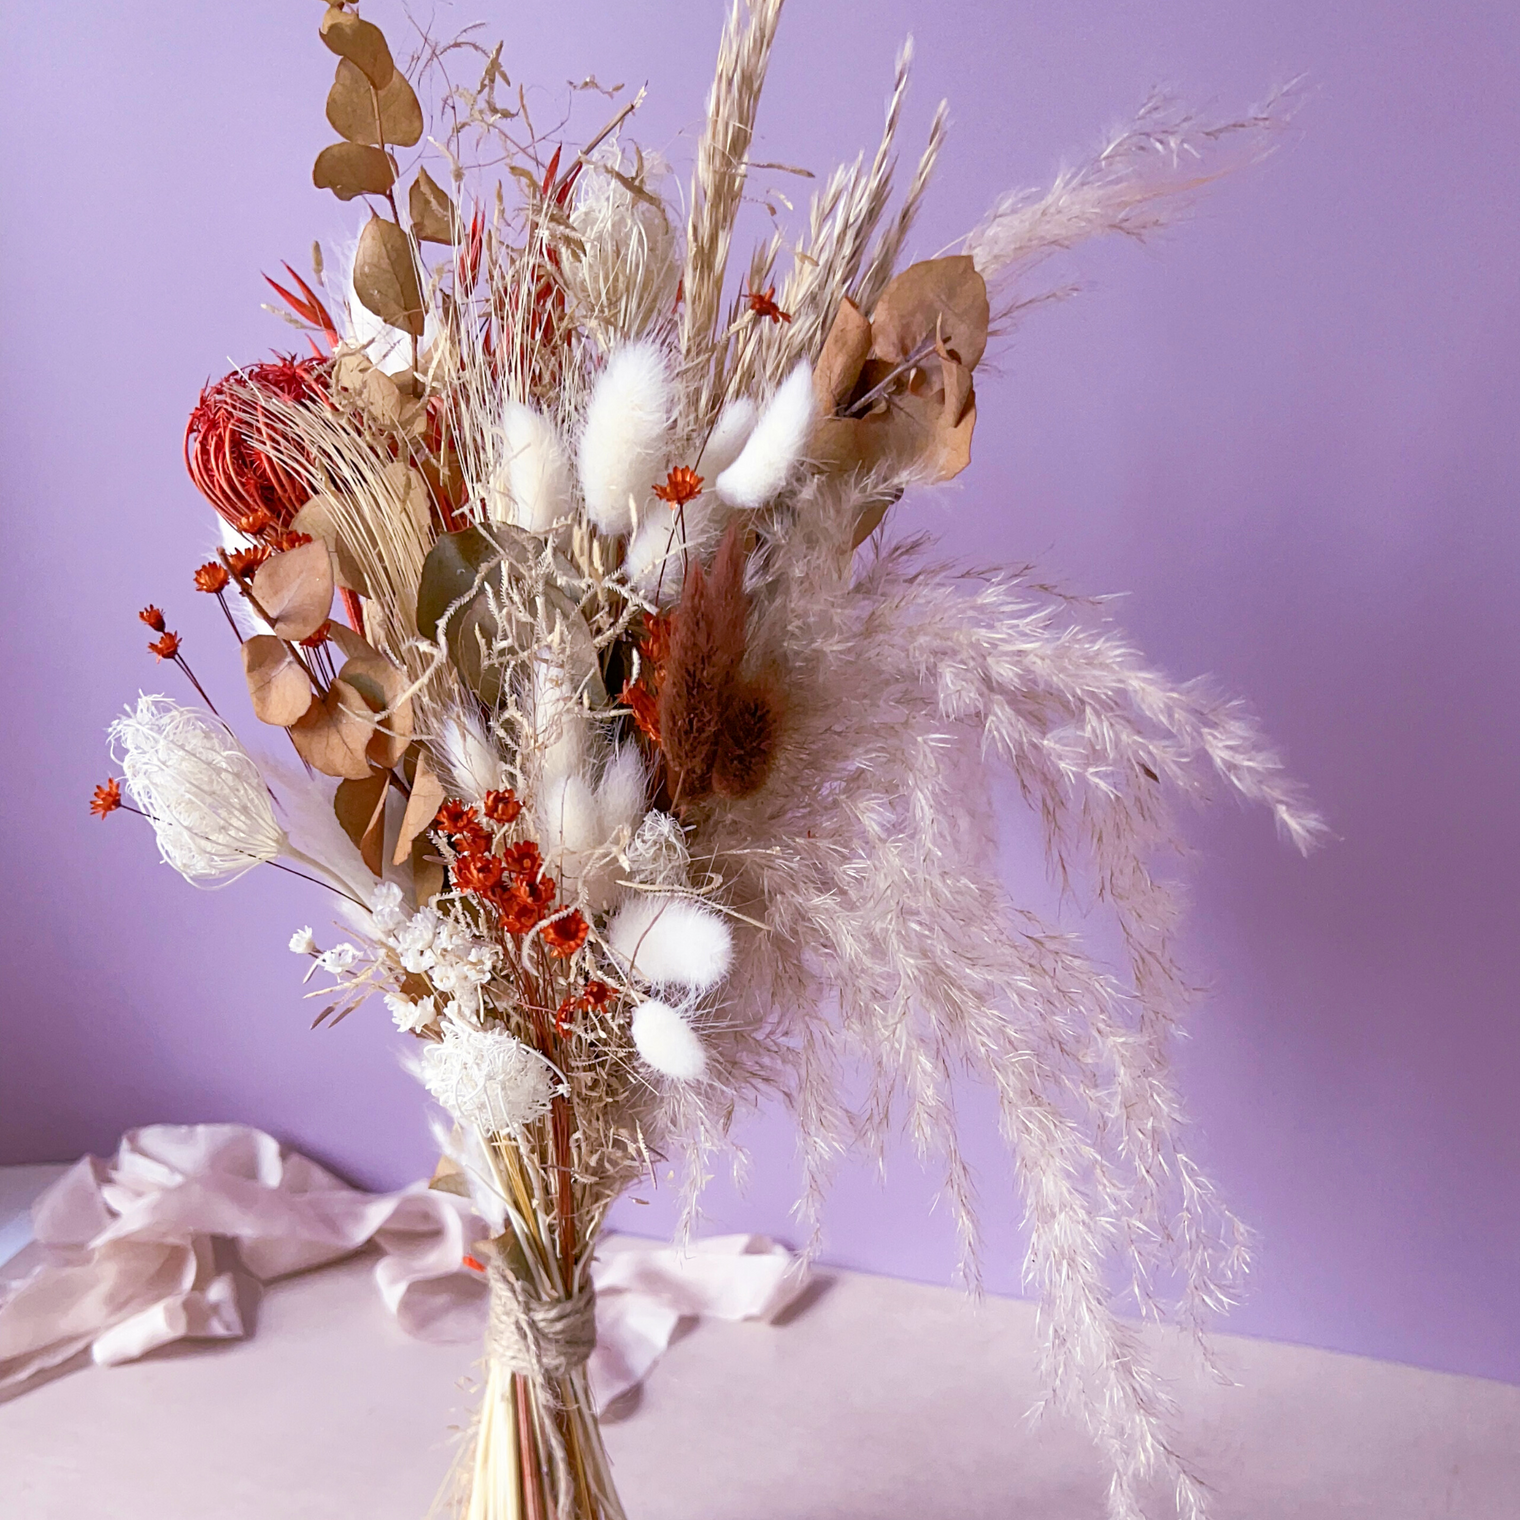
941, 301
349, 169
381, 684
421, 808
433, 216
362, 43
318, 518
839, 361
334, 733
353, 646
279, 687
427, 870
412, 491
385, 276
295, 589
360, 808
391, 116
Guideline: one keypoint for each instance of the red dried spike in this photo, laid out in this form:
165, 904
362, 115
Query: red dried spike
311, 309
551, 171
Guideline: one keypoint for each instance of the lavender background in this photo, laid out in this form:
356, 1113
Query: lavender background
1287, 431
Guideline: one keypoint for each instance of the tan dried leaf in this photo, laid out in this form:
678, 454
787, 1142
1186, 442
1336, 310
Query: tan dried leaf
362, 43
349, 169
940, 301
353, 646
381, 685
319, 518
388, 117
411, 491
359, 806
433, 216
839, 361
421, 808
279, 687
334, 733
427, 870
385, 276
295, 589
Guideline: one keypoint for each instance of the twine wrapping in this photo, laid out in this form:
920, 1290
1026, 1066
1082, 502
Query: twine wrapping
541, 1340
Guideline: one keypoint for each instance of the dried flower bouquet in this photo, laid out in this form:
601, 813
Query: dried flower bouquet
643, 763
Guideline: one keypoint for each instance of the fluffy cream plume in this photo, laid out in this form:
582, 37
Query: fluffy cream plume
621, 792
530, 487
487, 1079
200, 789
1143, 177
667, 1042
671, 941
625, 437
729, 435
775, 447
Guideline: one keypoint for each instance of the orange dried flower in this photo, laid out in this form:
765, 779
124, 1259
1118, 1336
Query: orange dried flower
763, 305
211, 577
645, 707
518, 915
254, 523
538, 890
478, 873
564, 936
472, 839
681, 486
523, 860
245, 561
289, 539
319, 638
598, 995
153, 618
453, 816
502, 807
107, 799
165, 648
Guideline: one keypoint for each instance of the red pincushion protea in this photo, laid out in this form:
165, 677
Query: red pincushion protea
228, 452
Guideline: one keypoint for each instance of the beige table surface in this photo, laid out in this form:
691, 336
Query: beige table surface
882, 1400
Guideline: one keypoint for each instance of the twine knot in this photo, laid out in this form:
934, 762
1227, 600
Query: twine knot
538, 1338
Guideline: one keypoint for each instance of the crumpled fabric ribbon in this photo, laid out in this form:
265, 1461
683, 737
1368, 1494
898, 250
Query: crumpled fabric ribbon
169, 1240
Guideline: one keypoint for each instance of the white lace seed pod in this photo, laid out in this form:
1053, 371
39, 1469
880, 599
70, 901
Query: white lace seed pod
667, 1042
625, 437
775, 447
530, 486
200, 789
487, 1079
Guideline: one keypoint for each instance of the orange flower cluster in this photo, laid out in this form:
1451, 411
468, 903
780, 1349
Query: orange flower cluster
166, 648
107, 799
511, 882
642, 697
245, 561
153, 618
212, 577
681, 486
594, 995
763, 305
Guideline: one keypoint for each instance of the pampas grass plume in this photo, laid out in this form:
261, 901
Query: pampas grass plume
666, 1041
672, 941
624, 440
775, 446
531, 486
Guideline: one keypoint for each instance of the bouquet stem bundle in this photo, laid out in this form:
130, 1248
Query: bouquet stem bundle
650, 773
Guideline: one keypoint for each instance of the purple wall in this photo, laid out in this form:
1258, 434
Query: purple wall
1289, 432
